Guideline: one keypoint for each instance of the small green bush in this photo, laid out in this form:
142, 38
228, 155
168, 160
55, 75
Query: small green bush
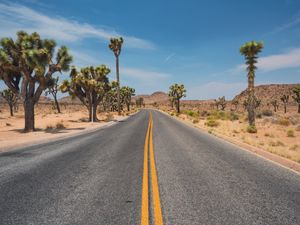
210, 131
251, 129
290, 133
212, 123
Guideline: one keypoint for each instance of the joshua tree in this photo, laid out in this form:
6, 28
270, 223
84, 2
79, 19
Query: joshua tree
116, 46
235, 102
26, 66
139, 102
250, 50
296, 96
127, 93
221, 102
11, 98
89, 85
285, 100
257, 103
275, 105
53, 88
178, 92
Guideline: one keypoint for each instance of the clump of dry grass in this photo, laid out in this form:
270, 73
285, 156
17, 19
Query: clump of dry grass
284, 122
60, 126
290, 133
212, 123
276, 143
295, 147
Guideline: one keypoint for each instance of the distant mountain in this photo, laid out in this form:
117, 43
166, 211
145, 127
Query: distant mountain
69, 100
158, 97
268, 92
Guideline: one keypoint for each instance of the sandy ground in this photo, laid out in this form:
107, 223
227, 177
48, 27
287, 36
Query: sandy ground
49, 125
271, 136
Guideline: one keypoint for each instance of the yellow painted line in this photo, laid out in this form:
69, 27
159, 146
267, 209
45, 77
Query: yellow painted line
155, 190
145, 188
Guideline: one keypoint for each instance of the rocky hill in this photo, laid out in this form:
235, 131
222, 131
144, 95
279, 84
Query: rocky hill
158, 97
269, 92
69, 100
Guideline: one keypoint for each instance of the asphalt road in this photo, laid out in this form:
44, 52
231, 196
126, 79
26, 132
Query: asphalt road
97, 178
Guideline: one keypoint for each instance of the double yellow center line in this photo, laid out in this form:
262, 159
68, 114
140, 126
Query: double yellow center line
148, 151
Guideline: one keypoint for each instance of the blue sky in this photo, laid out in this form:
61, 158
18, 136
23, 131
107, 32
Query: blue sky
194, 42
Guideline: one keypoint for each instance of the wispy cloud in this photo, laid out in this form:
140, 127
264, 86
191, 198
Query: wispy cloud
144, 75
169, 57
14, 17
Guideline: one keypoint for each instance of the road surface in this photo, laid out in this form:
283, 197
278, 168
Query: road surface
145, 170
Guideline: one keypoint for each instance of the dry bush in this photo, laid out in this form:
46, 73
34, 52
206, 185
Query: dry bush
290, 133
212, 123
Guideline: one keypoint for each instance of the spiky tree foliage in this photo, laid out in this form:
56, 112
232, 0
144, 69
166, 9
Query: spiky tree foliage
127, 93
11, 98
116, 46
89, 85
221, 102
250, 51
171, 98
53, 88
236, 103
177, 91
275, 105
296, 96
285, 100
27, 66
257, 103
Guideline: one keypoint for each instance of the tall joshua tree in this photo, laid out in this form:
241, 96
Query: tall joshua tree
296, 96
250, 51
26, 66
116, 46
178, 92
53, 88
275, 105
285, 100
89, 85
11, 98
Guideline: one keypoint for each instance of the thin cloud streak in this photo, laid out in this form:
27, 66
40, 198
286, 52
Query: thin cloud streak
14, 17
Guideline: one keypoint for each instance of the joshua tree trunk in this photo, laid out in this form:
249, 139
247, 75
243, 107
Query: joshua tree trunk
298, 108
251, 100
178, 106
11, 109
29, 114
56, 104
284, 107
118, 87
128, 107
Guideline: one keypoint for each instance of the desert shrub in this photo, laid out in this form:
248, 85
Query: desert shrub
251, 129
290, 133
60, 125
191, 113
204, 113
235, 132
234, 116
276, 143
109, 117
195, 121
8, 124
177, 114
172, 114
212, 123
210, 131
284, 122
49, 128
294, 147
267, 113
